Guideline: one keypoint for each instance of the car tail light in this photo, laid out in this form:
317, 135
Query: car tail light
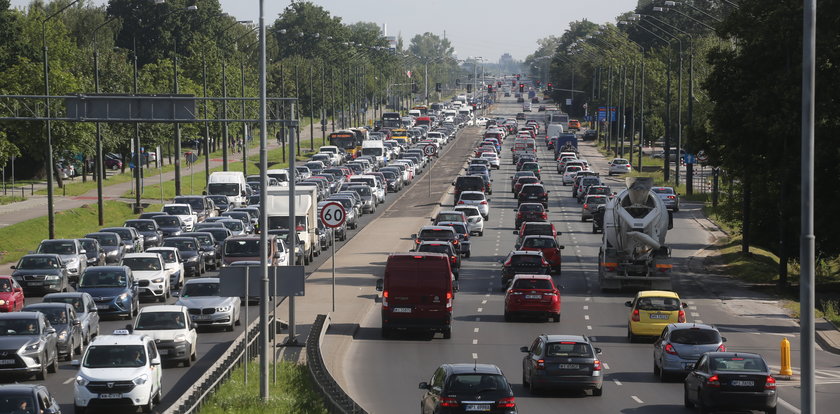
452, 258
483, 202
770, 383
299, 228
628, 165
670, 349
596, 365
721, 348
454, 241
507, 263
385, 300
681, 317
713, 381
610, 266
519, 215
507, 402
449, 301
585, 205
461, 202
540, 364
545, 194
545, 215
417, 241
449, 402
671, 197
636, 317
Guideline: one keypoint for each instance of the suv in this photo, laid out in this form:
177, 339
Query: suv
149, 229
150, 272
437, 233
67, 325
532, 295
520, 262
73, 256
202, 206
468, 183
475, 387
131, 238
122, 368
111, 244
41, 273
173, 263
30, 344
173, 331
113, 289
562, 361
445, 248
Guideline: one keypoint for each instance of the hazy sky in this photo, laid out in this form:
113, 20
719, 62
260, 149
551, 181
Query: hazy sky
486, 28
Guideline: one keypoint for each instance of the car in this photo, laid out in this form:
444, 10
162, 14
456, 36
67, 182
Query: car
131, 238
532, 295
220, 202
41, 273
73, 256
562, 362
173, 263
569, 174
446, 248
149, 229
242, 216
68, 327
236, 226
111, 243
574, 124
668, 196
603, 190
590, 135
475, 220
493, 159
520, 262
653, 310
30, 344
519, 174
620, 166
463, 233
150, 273
437, 233
591, 205
530, 212
171, 226
122, 368
210, 250
351, 217
541, 108
520, 116
27, 399
113, 290
206, 308
11, 295
583, 182
679, 347
182, 211
536, 228
533, 193
220, 233
468, 183
469, 387
476, 199
449, 215
94, 251
731, 381
547, 245
531, 166
190, 252
172, 330
85, 309
523, 181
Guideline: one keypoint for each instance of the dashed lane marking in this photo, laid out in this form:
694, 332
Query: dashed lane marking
606, 365
617, 382
475, 341
480, 309
587, 299
698, 321
69, 380
474, 355
484, 301
637, 399
695, 314
588, 327
475, 330
585, 307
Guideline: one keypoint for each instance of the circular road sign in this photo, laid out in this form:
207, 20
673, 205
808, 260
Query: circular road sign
429, 150
333, 214
702, 156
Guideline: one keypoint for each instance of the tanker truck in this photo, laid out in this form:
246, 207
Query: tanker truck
633, 251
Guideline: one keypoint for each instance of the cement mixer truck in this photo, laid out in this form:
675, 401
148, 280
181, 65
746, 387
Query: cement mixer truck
633, 251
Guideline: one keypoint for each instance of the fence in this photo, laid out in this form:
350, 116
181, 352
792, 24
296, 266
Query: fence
337, 400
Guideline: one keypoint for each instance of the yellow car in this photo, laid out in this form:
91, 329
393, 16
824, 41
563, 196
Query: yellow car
652, 311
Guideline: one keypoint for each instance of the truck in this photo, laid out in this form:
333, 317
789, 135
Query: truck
375, 149
230, 184
633, 252
565, 142
306, 216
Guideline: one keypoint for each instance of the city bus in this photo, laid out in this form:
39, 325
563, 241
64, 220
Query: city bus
348, 140
424, 110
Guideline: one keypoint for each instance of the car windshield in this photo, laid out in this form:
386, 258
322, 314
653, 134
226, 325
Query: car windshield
472, 196
77, 303
105, 239
437, 235
219, 200
200, 289
99, 278
242, 248
9, 327
365, 191
141, 225
458, 227
56, 316
596, 200
57, 247
434, 248
527, 180
695, 336
204, 240
168, 255
182, 245
389, 175
737, 363
652, 303
590, 181
17, 402
225, 189
152, 321
88, 245
568, 349
177, 210
38, 263
533, 189
476, 383
526, 260
619, 161
233, 225
218, 233
540, 242
125, 234
573, 168
544, 284
115, 356
167, 221
142, 263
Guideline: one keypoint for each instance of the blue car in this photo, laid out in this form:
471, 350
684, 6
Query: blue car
113, 289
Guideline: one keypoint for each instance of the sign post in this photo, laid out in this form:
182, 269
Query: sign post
430, 150
333, 216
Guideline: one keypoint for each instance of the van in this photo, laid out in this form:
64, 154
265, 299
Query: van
418, 291
247, 249
415, 113
375, 149
468, 183
230, 184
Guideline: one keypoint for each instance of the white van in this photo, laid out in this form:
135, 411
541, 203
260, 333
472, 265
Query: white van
415, 113
377, 150
230, 184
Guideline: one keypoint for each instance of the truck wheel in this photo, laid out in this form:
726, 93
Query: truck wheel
447, 333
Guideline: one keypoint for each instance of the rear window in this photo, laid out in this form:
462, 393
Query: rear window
737, 363
620, 161
596, 200
663, 190
653, 303
531, 207
540, 243
533, 284
437, 235
569, 349
528, 180
695, 336
434, 248
526, 260
472, 196
476, 383
450, 217
590, 181
573, 168
533, 189
599, 190
538, 229
470, 212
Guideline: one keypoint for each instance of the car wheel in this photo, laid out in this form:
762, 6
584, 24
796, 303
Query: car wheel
42, 374
508, 318
663, 375
533, 389
79, 346
583, 219
447, 333
481, 233
557, 317
187, 361
597, 392
467, 255
136, 308
655, 369
162, 298
150, 407
701, 406
770, 410
229, 328
686, 401
630, 337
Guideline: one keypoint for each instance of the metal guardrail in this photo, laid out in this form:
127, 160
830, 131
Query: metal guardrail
337, 400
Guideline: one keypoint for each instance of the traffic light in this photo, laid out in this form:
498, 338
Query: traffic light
521, 87
438, 87
414, 88
539, 82
469, 88
489, 88
550, 87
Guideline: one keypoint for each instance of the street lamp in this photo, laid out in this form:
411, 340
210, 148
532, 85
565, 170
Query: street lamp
225, 131
177, 126
99, 171
674, 4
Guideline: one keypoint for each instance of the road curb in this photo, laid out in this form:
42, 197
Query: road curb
828, 335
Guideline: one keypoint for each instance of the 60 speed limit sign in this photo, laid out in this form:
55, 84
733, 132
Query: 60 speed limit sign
333, 214
429, 150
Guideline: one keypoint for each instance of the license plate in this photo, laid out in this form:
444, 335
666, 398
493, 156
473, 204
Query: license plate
7, 361
533, 296
568, 366
102, 307
35, 283
742, 383
202, 317
658, 316
110, 396
477, 407
402, 310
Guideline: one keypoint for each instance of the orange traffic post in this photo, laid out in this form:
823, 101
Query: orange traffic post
785, 371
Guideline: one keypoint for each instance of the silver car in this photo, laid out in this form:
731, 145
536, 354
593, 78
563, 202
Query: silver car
85, 311
206, 307
476, 199
680, 346
620, 166
668, 196
72, 255
590, 206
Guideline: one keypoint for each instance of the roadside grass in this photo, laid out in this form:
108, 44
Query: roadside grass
19, 239
10, 199
294, 392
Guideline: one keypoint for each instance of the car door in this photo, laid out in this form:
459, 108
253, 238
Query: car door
50, 338
657, 346
92, 315
17, 295
530, 360
695, 379
155, 370
431, 398
75, 325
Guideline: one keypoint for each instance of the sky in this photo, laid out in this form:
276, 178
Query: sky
486, 28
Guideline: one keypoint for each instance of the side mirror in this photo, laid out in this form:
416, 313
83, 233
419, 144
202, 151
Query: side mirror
516, 232
597, 350
83, 251
155, 361
424, 386
12, 267
77, 323
380, 285
50, 331
684, 305
562, 247
629, 303
524, 349
414, 236
175, 293
193, 325
453, 183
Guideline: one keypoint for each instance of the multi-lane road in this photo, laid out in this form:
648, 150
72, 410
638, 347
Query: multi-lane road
382, 375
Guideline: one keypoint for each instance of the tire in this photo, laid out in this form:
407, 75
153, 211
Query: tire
770, 410
481, 233
687, 402
664, 376
655, 369
597, 392
229, 328
161, 298
135, 309
71, 352
524, 383
238, 320
533, 389
187, 362
467, 255
508, 318
447, 333
42, 374
150, 407
556, 317
630, 337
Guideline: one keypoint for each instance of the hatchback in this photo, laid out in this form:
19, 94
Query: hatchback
680, 346
531, 166
620, 166
731, 380
533, 193
562, 361
475, 220
520, 262
668, 196
569, 174
653, 310
11, 295
532, 295
476, 199
471, 387
518, 175
547, 245
530, 212
591, 205
522, 181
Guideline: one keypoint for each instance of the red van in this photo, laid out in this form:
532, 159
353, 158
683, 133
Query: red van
417, 293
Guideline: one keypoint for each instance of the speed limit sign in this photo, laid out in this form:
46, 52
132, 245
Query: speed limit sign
333, 214
429, 150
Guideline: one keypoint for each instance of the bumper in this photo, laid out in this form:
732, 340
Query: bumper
173, 351
676, 365
139, 395
740, 400
154, 290
647, 329
112, 308
215, 319
51, 286
568, 382
427, 324
24, 364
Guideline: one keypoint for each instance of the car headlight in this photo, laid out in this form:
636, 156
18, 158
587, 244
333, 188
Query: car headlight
73, 262
122, 297
62, 336
51, 277
192, 259
151, 238
180, 338
224, 308
112, 253
32, 347
80, 380
140, 380
158, 280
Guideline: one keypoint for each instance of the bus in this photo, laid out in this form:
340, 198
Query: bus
348, 140
424, 110
391, 120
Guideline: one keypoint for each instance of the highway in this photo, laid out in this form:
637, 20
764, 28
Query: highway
382, 375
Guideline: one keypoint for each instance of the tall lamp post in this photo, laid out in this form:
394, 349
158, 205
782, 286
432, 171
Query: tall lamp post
99, 171
177, 126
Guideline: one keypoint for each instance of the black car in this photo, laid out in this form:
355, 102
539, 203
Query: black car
131, 238
149, 229
190, 249
170, 226
530, 212
29, 343
68, 327
94, 251
468, 183
519, 262
522, 159
458, 388
590, 135
220, 201
445, 248
152, 214
437, 233
562, 362
533, 193
112, 244
27, 398
731, 381
210, 250
393, 180
517, 175
41, 273
219, 234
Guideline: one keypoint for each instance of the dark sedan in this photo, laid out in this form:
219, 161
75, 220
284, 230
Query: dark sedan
190, 249
149, 229
41, 273
731, 381
520, 262
112, 245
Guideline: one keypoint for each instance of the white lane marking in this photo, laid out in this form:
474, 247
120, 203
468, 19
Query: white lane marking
690, 302
485, 300
593, 339
475, 341
695, 314
475, 356
480, 309
586, 317
789, 406
69, 380
487, 295
700, 321
475, 330
587, 299
586, 307
606, 365
617, 382
589, 327
637, 399
692, 308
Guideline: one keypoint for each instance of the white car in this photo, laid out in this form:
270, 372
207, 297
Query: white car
567, 154
475, 221
184, 212
476, 199
173, 263
206, 307
173, 331
492, 158
620, 166
570, 173
150, 273
481, 121
122, 366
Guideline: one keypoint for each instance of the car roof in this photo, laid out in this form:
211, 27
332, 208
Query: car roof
130, 339
562, 338
20, 315
52, 255
203, 280
437, 228
176, 205
162, 308
473, 368
533, 277
67, 294
729, 354
691, 325
132, 255
658, 293
57, 240
48, 305
167, 248
20, 387
539, 236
